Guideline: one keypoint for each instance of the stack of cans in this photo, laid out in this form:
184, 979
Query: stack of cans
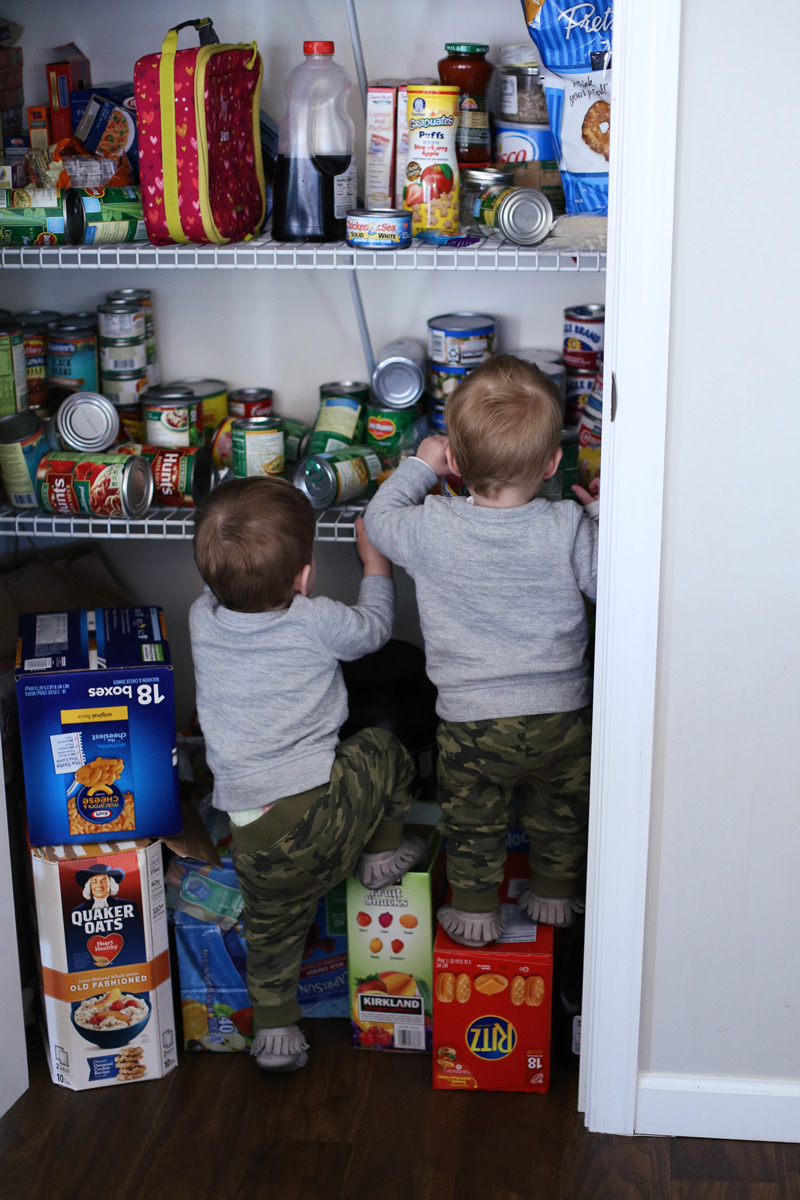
398, 385
457, 343
584, 339
144, 299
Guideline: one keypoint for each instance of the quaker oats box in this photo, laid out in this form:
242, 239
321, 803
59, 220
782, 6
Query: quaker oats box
105, 971
97, 725
492, 1007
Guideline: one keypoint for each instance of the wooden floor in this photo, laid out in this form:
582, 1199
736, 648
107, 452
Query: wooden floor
353, 1125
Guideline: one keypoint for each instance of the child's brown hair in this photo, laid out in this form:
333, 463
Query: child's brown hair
504, 424
252, 538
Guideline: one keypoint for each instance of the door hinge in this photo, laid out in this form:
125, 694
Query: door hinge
613, 396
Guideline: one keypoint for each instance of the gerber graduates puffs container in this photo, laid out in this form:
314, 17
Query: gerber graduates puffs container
390, 953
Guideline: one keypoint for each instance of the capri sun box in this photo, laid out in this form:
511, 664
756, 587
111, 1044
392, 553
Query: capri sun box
492, 1007
390, 956
97, 723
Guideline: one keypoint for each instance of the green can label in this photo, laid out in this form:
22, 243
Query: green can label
339, 423
390, 431
356, 474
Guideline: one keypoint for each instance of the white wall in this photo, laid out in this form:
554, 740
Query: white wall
290, 331
722, 972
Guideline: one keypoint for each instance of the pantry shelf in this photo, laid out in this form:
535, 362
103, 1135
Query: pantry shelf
490, 254
333, 525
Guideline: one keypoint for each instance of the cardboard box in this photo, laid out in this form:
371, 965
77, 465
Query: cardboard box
97, 725
215, 1007
380, 156
492, 1007
39, 127
70, 72
13, 173
390, 955
102, 925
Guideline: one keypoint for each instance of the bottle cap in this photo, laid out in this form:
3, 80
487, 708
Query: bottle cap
317, 47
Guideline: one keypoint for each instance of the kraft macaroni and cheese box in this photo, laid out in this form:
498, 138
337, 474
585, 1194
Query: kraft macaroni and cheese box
97, 725
104, 953
492, 1007
211, 954
390, 957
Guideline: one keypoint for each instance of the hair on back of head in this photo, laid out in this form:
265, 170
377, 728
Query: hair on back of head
252, 538
504, 424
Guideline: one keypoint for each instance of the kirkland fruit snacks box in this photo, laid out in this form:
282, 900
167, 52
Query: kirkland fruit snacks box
97, 723
492, 1007
212, 963
390, 955
102, 925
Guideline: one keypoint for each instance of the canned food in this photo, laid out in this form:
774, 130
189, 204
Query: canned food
398, 380
250, 402
537, 354
378, 228
124, 320
36, 316
124, 387
144, 298
71, 360
122, 354
559, 486
112, 485
221, 445
172, 421
340, 420
13, 375
523, 216
436, 421
584, 336
213, 394
87, 317
390, 431
98, 215
22, 446
34, 342
181, 474
295, 439
461, 339
131, 422
343, 475
88, 422
443, 379
579, 386
258, 447
432, 182
474, 181
517, 142
590, 433
32, 216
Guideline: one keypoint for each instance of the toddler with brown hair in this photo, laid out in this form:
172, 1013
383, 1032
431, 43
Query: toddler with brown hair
305, 809
501, 578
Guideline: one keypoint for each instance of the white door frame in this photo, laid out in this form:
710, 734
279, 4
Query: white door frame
642, 183
13, 1051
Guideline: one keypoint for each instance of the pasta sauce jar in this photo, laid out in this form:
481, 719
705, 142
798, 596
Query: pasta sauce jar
467, 69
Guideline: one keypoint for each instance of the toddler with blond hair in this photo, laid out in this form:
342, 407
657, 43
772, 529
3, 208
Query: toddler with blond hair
501, 577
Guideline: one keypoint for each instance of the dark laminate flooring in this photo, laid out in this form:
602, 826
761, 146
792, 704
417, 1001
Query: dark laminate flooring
352, 1125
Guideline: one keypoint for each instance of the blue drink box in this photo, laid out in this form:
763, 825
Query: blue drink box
97, 725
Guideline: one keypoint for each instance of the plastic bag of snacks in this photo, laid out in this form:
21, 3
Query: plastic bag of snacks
574, 44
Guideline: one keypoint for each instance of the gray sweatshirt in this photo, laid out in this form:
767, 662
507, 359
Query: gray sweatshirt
270, 692
499, 592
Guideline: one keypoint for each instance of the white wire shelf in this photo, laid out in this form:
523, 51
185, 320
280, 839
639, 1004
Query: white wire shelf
333, 525
490, 254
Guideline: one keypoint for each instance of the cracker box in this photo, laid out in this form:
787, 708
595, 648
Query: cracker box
215, 1007
390, 957
492, 1007
97, 725
102, 925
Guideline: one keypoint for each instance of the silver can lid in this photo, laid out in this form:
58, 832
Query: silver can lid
88, 422
585, 312
463, 323
398, 381
525, 217
250, 393
137, 486
175, 391
18, 426
258, 424
127, 294
316, 478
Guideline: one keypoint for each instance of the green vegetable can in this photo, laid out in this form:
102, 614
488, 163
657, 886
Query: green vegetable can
341, 416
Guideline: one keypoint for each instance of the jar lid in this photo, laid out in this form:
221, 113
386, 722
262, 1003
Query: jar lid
317, 47
465, 48
486, 176
520, 69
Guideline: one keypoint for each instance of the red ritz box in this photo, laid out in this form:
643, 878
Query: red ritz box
492, 1007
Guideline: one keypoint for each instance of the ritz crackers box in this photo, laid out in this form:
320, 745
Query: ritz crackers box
97, 725
107, 997
492, 1007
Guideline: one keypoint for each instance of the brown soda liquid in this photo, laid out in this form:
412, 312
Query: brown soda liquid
303, 198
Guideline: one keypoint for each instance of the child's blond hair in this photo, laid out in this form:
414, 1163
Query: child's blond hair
252, 538
504, 425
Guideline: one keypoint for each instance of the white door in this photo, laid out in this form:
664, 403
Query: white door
13, 1060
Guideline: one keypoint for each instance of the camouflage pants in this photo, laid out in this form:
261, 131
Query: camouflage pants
545, 761
302, 847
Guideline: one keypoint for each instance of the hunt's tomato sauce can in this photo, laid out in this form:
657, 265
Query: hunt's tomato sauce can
181, 474
109, 485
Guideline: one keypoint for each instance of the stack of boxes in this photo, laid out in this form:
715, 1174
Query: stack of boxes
96, 717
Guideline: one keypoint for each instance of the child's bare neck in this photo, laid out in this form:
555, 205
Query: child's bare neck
505, 497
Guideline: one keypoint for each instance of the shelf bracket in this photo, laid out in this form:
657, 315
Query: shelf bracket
358, 305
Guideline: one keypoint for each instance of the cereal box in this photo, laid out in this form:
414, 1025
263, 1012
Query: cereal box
104, 954
212, 962
97, 725
390, 952
492, 1007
